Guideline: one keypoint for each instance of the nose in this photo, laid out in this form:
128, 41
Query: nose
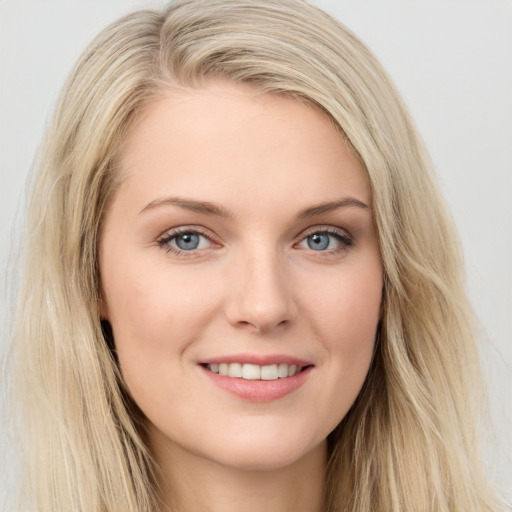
260, 295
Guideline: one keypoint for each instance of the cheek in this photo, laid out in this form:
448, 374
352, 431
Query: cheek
346, 316
154, 313
347, 306
146, 296
152, 323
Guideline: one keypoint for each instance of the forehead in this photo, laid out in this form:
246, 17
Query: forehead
225, 141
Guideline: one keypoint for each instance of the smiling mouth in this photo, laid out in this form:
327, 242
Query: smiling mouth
248, 371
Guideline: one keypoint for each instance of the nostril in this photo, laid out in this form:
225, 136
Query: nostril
259, 297
262, 325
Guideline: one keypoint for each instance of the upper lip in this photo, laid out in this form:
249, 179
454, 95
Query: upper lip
259, 359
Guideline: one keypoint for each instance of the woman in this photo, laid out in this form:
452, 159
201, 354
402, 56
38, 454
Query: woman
249, 298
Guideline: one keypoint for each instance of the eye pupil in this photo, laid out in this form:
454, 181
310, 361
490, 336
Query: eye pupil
318, 241
187, 241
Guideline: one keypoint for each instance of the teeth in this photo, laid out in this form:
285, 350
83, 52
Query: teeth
282, 371
235, 370
251, 371
269, 372
254, 371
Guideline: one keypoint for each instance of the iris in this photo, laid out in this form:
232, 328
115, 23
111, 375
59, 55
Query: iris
187, 241
318, 241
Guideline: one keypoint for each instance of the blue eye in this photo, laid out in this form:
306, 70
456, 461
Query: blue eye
184, 241
327, 241
187, 241
318, 241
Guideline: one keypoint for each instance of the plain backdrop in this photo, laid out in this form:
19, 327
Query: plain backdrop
451, 60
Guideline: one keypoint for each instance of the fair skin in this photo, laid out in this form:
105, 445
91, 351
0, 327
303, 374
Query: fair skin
241, 234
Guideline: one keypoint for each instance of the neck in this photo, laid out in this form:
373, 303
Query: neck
189, 482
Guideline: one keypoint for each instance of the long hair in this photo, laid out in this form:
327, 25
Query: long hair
410, 441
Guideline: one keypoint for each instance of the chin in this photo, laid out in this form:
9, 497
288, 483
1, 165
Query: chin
253, 454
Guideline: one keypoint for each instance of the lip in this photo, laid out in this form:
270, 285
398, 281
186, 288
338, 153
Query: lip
259, 359
258, 390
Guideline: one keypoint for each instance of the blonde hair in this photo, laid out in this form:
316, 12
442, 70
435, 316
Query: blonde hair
410, 441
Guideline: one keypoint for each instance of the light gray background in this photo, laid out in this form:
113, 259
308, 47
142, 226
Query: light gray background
452, 61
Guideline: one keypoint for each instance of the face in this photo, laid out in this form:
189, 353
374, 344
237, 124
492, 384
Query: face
241, 275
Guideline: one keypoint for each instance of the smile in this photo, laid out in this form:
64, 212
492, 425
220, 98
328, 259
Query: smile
259, 378
254, 371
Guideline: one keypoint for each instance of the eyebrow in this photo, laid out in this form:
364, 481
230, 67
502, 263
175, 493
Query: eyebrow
204, 207
208, 208
331, 206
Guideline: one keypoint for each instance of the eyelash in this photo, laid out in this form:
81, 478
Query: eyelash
346, 241
164, 241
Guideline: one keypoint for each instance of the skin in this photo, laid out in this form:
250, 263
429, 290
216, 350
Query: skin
253, 286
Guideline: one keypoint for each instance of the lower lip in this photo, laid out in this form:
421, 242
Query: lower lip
259, 390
